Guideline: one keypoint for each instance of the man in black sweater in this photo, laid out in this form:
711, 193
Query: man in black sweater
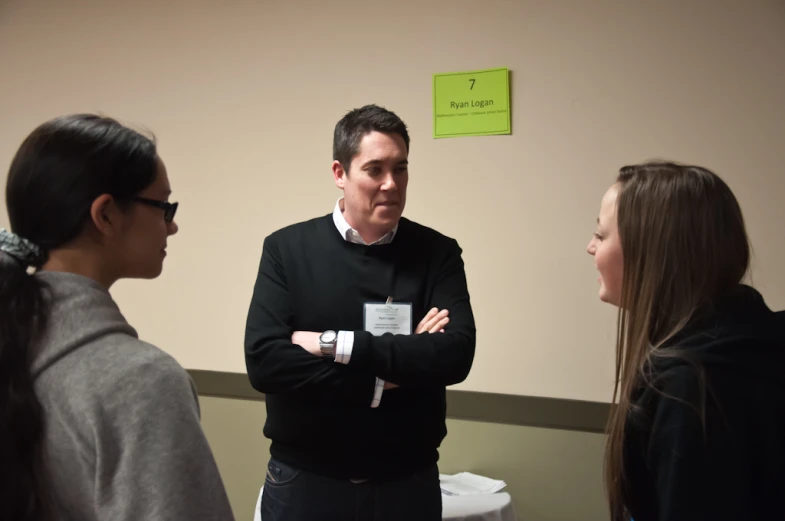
355, 394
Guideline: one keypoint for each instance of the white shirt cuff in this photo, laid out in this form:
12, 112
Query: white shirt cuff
343, 347
377, 393
343, 354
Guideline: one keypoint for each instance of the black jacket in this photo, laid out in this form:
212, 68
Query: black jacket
730, 463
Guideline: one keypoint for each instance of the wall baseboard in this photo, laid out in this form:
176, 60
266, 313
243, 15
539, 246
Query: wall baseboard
511, 409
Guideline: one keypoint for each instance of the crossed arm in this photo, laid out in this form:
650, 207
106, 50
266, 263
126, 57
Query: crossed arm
433, 322
281, 360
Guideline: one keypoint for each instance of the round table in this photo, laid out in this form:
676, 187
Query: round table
486, 507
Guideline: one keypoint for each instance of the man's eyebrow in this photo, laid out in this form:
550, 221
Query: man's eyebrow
375, 162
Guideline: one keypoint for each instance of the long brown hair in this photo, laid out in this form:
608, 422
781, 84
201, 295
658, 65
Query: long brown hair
684, 244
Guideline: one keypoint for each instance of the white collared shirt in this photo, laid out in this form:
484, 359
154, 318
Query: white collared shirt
350, 234
345, 341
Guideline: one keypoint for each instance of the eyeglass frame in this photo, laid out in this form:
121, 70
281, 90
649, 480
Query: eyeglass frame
170, 209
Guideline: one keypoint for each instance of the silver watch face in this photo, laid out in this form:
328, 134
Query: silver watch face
328, 337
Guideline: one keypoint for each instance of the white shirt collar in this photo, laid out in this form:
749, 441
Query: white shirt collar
350, 234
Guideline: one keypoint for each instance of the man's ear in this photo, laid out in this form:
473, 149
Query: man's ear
105, 215
339, 175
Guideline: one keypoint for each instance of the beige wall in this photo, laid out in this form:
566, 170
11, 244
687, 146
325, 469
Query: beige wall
552, 475
243, 96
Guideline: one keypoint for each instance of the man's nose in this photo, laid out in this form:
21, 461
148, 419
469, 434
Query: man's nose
389, 182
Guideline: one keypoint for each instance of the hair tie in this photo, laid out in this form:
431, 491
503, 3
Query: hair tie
22, 250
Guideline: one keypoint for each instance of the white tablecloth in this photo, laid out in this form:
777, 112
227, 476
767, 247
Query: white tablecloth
490, 507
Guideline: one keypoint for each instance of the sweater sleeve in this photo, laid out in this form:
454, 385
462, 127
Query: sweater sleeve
701, 474
153, 460
273, 362
426, 360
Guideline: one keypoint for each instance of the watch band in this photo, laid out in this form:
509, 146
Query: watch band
327, 349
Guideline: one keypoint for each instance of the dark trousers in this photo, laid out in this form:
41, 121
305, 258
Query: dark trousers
291, 494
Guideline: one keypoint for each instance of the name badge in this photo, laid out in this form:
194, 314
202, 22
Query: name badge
386, 317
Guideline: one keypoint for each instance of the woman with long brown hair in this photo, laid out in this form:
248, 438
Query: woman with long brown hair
697, 431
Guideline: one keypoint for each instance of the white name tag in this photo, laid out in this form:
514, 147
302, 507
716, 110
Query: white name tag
381, 318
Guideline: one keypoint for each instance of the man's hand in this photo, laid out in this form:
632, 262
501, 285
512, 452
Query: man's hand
433, 322
308, 340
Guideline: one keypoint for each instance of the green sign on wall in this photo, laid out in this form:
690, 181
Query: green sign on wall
475, 103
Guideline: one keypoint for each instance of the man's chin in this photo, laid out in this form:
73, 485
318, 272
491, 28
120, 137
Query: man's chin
387, 222
388, 214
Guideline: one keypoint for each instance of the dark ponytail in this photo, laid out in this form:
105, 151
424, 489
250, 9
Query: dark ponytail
59, 170
23, 482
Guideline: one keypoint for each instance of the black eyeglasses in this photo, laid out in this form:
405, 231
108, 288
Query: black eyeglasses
169, 208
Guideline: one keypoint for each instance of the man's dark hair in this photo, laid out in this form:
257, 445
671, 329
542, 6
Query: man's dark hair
350, 130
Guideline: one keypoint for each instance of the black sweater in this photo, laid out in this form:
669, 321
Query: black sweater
319, 416
734, 468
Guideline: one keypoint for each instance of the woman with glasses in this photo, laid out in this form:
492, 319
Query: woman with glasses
95, 424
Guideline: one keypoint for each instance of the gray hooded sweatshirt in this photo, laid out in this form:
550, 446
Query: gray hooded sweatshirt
123, 434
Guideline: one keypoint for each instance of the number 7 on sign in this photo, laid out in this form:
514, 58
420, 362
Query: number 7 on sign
472, 87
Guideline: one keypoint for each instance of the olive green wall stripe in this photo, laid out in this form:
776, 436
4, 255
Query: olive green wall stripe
466, 405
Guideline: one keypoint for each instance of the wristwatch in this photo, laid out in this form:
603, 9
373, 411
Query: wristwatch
327, 341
